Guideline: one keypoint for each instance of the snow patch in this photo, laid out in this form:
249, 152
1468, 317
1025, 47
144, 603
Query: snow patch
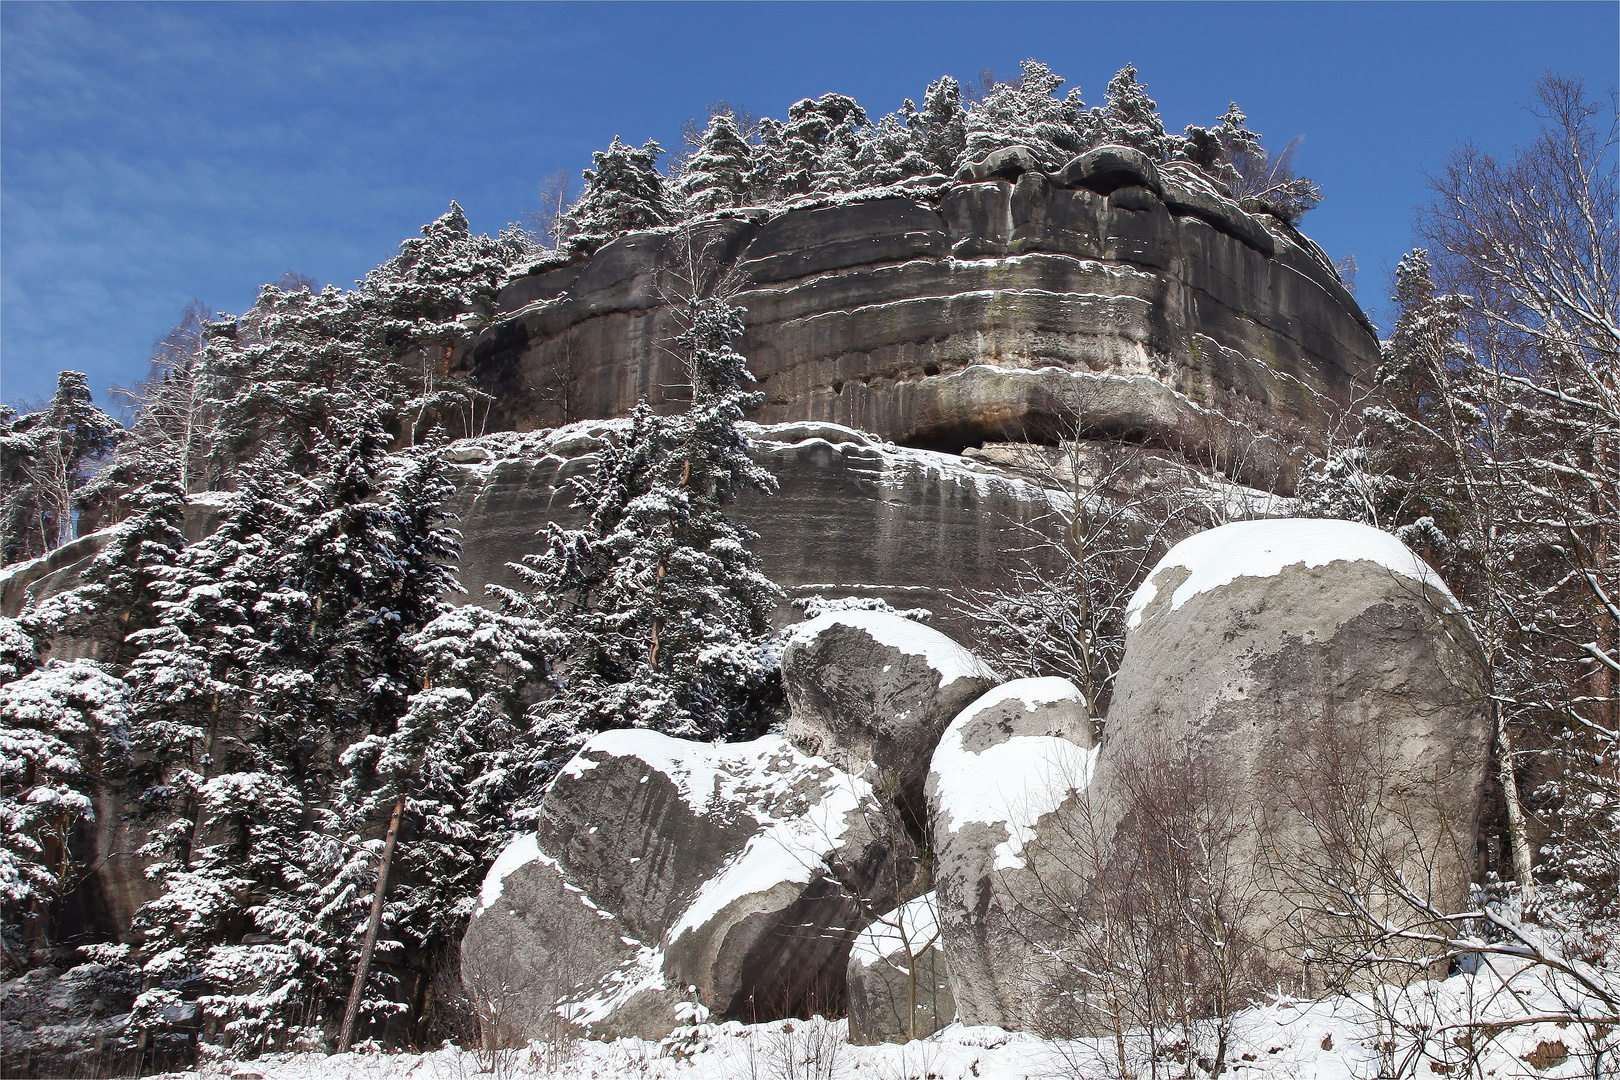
939, 652
790, 850
704, 773
914, 923
519, 853
1220, 556
1013, 783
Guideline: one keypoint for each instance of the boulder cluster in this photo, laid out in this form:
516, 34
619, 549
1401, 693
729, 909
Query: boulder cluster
929, 842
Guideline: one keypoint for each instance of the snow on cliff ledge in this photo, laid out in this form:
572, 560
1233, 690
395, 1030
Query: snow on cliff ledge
939, 652
1264, 548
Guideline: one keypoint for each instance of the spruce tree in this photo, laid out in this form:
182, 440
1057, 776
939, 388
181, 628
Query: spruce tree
623, 193
1025, 113
717, 175
1128, 117
61, 726
941, 126
657, 609
45, 459
116, 593
814, 150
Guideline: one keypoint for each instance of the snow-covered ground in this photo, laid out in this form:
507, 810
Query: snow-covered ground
1468, 1025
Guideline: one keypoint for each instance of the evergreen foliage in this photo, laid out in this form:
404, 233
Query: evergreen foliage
1128, 117
61, 725
716, 176
656, 608
45, 459
623, 193
1025, 113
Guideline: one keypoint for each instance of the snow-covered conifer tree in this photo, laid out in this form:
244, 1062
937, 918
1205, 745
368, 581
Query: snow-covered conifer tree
717, 175
1025, 113
1128, 117
887, 153
814, 150
659, 606
45, 458
116, 593
61, 725
418, 306
941, 126
623, 193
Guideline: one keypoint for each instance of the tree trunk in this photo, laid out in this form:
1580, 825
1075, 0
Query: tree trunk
352, 1013
1518, 838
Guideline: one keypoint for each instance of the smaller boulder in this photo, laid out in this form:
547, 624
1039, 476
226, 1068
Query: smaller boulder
1108, 168
898, 989
871, 691
1005, 766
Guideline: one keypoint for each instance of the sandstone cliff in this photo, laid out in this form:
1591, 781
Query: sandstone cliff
1138, 295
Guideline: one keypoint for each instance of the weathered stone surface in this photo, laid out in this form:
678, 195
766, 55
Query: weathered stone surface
854, 313
66, 1023
1008, 163
660, 864
1106, 168
897, 972
871, 692
1007, 764
1304, 666
852, 516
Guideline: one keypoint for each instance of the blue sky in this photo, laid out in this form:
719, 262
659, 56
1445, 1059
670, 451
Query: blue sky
153, 153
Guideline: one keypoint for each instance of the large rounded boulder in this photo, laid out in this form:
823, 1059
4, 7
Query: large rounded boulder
1005, 785
871, 692
1311, 691
744, 870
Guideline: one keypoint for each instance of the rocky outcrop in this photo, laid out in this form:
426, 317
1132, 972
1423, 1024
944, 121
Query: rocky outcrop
940, 322
68, 1023
1316, 681
660, 864
852, 515
871, 692
1004, 769
898, 989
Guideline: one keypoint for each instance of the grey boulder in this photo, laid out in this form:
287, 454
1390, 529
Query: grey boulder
898, 988
871, 691
660, 864
1316, 681
1003, 784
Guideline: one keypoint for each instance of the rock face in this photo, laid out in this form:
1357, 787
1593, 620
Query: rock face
944, 322
1005, 766
67, 1023
660, 864
851, 515
897, 971
1306, 669
871, 692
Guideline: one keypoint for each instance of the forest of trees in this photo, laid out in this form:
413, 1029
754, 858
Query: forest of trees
322, 752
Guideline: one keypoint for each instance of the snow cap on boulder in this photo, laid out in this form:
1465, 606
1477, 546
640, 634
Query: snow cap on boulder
660, 864
871, 691
1007, 765
1261, 549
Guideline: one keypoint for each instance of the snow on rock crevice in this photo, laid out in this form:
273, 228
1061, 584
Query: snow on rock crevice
914, 923
1261, 549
